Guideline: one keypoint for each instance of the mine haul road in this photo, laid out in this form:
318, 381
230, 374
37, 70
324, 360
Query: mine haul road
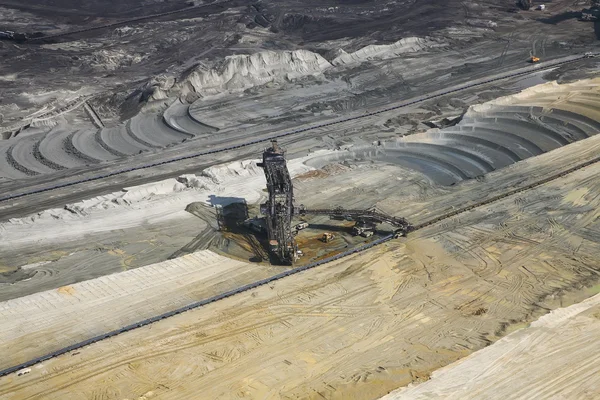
107, 179
276, 277
212, 7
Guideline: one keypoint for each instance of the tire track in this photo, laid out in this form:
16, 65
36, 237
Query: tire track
505, 50
16, 165
168, 345
70, 148
293, 271
42, 39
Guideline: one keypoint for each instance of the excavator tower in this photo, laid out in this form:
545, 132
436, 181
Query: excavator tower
279, 208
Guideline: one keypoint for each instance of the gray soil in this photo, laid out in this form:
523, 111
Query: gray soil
118, 66
108, 90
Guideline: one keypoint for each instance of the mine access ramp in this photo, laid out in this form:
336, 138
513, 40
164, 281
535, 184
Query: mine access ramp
365, 216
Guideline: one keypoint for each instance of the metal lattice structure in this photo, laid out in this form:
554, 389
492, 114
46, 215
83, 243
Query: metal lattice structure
364, 216
279, 208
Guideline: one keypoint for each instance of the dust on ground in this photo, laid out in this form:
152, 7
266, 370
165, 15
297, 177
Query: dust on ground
523, 364
365, 325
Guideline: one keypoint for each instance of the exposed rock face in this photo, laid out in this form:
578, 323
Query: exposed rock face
385, 51
240, 72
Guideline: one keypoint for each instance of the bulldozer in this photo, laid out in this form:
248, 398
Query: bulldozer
327, 237
532, 58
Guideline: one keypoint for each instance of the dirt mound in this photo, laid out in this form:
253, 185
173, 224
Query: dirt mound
385, 51
241, 72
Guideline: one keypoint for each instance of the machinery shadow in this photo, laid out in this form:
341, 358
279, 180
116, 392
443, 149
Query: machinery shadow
225, 217
205, 238
555, 19
231, 218
331, 228
219, 201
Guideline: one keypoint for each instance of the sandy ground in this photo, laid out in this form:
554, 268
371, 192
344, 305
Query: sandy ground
355, 329
127, 229
51, 266
361, 327
151, 203
490, 136
556, 357
73, 313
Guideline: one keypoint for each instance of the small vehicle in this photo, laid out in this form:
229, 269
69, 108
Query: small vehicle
302, 225
366, 234
399, 233
299, 253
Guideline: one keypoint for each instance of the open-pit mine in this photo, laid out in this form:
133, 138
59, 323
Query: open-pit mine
299, 200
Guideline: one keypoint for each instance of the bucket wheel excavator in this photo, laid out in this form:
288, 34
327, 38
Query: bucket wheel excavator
279, 209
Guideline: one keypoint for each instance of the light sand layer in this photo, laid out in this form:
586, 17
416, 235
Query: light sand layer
358, 328
557, 357
77, 312
159, 201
